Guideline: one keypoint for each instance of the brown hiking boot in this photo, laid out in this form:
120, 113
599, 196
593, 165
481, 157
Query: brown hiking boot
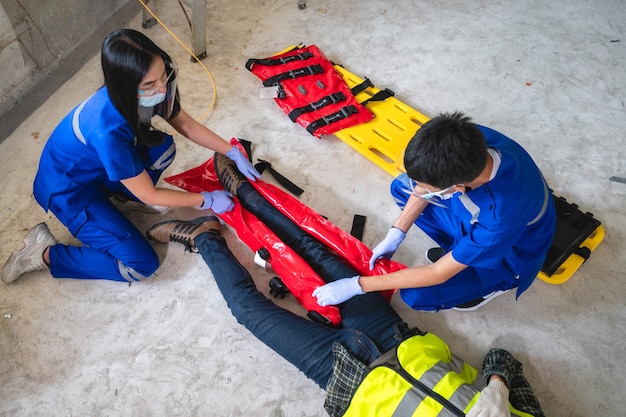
227, 173
184, 232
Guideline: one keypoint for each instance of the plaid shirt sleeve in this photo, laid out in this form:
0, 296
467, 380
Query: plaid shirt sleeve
521, 395
348, 373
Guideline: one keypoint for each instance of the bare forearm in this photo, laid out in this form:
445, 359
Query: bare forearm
172, 198
413, 208
414, 277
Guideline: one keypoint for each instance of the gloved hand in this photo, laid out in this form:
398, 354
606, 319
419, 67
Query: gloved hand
388, 246
244, 166
219, 201
337, 292
493, 401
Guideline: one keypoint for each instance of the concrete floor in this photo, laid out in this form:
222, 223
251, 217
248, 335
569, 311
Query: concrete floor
549, 74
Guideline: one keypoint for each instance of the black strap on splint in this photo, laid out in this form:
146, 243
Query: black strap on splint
282, 180
270, 62
262, 165
321, 103
247, 146
358, 226
331, 118
293, 74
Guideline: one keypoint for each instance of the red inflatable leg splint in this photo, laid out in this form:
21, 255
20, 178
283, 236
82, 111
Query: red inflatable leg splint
295, 273
310, 90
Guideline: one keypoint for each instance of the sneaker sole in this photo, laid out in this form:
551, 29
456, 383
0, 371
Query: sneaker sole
196, 222
482, 303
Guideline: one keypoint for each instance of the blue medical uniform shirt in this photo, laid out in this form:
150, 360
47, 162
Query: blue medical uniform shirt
72, 172
499, 221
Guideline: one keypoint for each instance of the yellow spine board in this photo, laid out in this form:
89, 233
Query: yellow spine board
574, 261
383, 139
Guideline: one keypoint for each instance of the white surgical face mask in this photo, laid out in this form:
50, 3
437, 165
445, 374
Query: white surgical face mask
151, 101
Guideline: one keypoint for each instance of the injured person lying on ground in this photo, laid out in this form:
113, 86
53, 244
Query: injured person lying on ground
364, 362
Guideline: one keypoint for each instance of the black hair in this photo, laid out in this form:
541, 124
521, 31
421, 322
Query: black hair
126, 57
447, 150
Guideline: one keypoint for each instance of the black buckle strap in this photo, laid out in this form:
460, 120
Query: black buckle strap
361, 87
380, 96
262, 165
293, 74
332, 118
281, 179
321, 103
278, 61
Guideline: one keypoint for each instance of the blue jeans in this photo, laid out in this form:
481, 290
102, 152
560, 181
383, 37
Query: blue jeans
366, 331
370, 326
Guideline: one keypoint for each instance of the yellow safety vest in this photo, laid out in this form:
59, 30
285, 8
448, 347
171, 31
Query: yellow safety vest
419, 378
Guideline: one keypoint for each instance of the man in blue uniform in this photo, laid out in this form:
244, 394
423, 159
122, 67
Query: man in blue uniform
482, 199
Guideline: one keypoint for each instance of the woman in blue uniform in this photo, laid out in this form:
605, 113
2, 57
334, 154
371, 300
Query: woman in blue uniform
482, 199
107, 147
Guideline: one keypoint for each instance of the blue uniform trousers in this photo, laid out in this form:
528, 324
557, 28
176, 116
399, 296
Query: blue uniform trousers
112, 247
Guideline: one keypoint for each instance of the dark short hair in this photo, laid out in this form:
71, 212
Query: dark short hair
126, 57
447, 150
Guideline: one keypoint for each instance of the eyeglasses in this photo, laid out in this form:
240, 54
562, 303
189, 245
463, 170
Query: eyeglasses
430, 194
173, 70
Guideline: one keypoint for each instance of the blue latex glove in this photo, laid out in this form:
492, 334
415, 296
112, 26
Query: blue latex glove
388, 246
337, 292
244, 166
493, 401
219, 201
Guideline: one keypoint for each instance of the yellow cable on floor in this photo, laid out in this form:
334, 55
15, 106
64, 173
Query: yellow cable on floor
208, 110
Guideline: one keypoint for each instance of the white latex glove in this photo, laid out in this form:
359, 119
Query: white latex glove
493, 401
388, 246
337, 292
243, 165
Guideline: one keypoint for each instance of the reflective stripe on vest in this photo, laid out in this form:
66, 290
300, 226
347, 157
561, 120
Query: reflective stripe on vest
419, 378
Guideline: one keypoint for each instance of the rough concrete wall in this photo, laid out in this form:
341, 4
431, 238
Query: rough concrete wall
36, 35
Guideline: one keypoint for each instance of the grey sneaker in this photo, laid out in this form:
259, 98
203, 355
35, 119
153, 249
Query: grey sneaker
228, 174
28, 256
184, 232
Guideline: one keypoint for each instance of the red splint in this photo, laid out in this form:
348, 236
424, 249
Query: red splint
295, 273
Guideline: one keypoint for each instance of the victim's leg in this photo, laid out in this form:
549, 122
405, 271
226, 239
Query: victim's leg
327, 265
369, 313
304, 343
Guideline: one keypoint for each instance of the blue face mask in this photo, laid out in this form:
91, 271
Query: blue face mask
151, 101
